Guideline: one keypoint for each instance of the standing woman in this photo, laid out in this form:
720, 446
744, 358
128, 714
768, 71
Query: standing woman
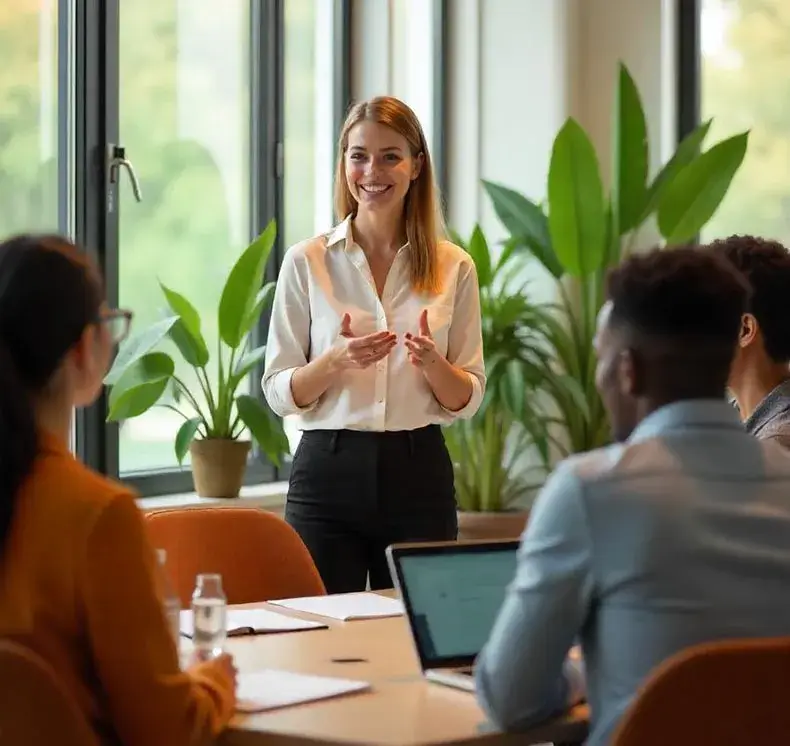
375, 342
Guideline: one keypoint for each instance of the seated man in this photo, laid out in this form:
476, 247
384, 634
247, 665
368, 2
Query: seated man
675, 536
760, 377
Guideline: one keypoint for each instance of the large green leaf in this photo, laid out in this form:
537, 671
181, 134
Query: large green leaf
577, 213
242, 286
263, 300
481, 255
181, 306
508, 250
138, 346
248, 362
630, 154
265, 428
526, 222
186, 333
693, 196
185, 435
613, 238
686, 152
141, 386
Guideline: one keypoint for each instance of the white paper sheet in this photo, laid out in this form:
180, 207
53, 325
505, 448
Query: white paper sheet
271, 689
260, 621
346, 606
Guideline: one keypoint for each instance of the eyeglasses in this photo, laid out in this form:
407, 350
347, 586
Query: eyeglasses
118, 323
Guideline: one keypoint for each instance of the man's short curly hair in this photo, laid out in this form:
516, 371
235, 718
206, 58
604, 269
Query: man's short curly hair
682, 309
766, 266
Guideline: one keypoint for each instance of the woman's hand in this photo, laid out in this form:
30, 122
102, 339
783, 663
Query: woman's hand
422, 348
451, 386
352, 352
224, 663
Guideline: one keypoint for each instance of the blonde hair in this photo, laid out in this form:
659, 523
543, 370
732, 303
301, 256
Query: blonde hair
422, 208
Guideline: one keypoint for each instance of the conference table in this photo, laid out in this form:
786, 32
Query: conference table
401, 708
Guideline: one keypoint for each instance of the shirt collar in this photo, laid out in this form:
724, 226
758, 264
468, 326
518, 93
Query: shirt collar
768, 407
341, 232
695, 413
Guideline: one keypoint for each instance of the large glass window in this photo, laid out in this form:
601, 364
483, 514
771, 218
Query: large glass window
745, 48
312, 110
227, 112
184, 114
35, 118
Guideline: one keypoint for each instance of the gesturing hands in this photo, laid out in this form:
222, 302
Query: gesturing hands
422, 348
362, 352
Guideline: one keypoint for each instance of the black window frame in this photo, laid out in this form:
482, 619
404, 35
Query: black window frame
688, 66
95, 100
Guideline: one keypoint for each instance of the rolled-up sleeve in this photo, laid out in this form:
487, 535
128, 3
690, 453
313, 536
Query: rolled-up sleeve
465, 339
523, 674
288, 342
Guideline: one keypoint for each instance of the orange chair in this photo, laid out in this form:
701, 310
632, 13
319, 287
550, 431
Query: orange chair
259, 556
35, 708
729, 693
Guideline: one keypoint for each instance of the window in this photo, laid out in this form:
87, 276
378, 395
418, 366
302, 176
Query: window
227, 113
744, 47
35, 118
184, 114
311, 106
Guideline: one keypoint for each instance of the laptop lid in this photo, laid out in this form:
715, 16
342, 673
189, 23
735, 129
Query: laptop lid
452, 593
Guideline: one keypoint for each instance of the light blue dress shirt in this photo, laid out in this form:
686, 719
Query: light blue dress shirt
679, 536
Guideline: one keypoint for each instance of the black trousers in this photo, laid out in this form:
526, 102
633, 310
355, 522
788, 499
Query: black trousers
353, 493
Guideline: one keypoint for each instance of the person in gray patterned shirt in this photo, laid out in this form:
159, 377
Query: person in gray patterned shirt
760, 376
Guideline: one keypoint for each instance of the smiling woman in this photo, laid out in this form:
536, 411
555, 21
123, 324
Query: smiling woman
374, 343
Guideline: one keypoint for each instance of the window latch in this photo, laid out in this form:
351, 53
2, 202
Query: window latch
117, 160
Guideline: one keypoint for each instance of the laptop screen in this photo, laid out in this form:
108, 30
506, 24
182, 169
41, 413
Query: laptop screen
453, 597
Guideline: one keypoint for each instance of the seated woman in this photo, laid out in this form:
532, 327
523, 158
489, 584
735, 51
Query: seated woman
77, 574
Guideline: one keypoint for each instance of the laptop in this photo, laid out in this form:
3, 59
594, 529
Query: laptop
452, 593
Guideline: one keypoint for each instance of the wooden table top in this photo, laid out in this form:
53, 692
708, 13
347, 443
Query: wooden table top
402, 709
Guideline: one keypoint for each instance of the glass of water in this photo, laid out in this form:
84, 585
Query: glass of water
209, 616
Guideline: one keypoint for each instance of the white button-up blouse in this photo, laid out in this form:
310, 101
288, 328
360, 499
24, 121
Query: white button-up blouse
325, 277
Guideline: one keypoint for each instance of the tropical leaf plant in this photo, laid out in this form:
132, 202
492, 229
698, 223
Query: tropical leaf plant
144, 376
584, 230
493, 470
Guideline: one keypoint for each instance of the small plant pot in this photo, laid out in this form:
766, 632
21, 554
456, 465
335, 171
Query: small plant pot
218, 466
478, 526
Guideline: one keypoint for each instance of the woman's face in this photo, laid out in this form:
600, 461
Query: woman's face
92, 355
379, 167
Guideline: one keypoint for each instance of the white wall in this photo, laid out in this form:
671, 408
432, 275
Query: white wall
518, 69
392, 54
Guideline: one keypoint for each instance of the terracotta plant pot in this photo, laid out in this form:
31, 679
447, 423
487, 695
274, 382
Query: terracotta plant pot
509, 524
218, 466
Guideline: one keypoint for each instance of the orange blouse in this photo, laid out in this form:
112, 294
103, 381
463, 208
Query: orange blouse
78, 585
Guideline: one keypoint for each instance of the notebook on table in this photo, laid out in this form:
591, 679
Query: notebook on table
452, 592
271, 689
345, 606
254, 622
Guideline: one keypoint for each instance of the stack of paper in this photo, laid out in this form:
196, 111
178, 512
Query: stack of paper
270, 689
254, 622
346, 606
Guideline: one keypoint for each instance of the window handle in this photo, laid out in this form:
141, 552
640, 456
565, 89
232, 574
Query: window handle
117, 161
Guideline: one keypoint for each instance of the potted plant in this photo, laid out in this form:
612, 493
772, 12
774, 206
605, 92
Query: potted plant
583, 230
500, 456
216, 415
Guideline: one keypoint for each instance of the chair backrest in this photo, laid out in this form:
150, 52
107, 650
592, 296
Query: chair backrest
259, 556
35, 708
728, 693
